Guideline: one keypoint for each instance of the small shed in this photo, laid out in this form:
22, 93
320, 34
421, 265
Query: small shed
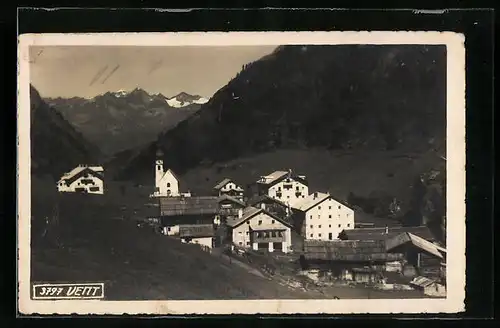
429, 287
197, 233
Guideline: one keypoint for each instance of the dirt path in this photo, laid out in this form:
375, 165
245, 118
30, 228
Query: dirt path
232, 261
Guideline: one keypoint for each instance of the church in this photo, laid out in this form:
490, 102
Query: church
166, 182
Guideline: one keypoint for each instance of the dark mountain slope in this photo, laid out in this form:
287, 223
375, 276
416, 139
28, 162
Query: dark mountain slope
342, 97
117, 121
56, 146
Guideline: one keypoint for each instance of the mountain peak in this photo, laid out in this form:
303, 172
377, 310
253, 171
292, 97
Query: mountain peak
184, 99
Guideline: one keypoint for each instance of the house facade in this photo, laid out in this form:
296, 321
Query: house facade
257, 229
84, 179
284, 186
271, 205
229, 207
229, 188
180, 216
320, 217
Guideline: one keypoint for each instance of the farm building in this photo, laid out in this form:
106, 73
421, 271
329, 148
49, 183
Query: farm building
197, 233
260, 230
230, 188
361, 261
284, 186
429, 287
83, 178
229, 206
320, 217
177, 211
166, 182
272, 205
384, 233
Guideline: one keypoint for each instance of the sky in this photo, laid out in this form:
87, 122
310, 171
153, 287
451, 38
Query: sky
87, 71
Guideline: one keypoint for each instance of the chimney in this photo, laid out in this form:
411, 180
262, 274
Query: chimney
240, 213
263, 206
386, 230
315, 195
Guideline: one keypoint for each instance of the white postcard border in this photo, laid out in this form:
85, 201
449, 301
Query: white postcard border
455, 202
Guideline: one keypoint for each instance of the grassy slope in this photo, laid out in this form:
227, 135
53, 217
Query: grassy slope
135, 263
339, 172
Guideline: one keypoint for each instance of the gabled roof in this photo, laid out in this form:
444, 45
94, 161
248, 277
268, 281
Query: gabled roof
381, 234
221, 184
172, 172
277, 176
416, 241
232, 199
310, 201
422, 281
203, 205
79, 171
261, 198
250, 212
80, 168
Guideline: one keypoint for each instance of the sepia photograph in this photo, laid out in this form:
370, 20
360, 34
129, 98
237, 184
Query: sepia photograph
273, 172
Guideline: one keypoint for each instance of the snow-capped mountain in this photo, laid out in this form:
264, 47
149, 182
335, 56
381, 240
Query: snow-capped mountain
118, 120
183, 99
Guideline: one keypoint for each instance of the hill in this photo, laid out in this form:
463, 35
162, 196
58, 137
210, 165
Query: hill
341, 98
56, 146
120, 120
89, 243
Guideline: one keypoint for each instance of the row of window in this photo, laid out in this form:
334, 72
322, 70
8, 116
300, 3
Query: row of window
329, 216
329, 226
330, 236
296, 188
260, 222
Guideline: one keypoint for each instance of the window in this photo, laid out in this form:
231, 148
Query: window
168, 192
248, 222
329, 226
319, 216
339, 207
260, 222
297, 188
311, 217
319, 235
259, 235
272, 222
288, 196
266, 234
339, 225
158, 167
248, 243
239, 232
330, 236
94, 188
168, 229
311, 226
247, 232
347, 215
279, 188
319, 226
240, 243
348, 225
273, 234
329, 207
319, 207
168, 184
330, 216
280, 234
311, 235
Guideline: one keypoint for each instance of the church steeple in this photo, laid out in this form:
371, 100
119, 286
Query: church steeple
158, 166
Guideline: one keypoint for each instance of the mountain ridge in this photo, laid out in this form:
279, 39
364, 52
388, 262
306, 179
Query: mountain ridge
120, 120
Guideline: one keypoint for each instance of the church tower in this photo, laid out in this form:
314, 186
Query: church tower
158, 168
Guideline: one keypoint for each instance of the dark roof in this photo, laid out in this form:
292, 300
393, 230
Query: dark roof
278, 176
250, 212
259, 199
222, 183
380, 233
231, 199
363, 218
86, 170
188, 205
196, 230
348, 250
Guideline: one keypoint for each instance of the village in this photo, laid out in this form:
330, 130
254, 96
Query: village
284, 230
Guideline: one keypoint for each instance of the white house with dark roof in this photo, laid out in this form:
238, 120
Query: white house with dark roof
83, 178
284, 186
259, 229
230, 188
166, 182
320, 217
